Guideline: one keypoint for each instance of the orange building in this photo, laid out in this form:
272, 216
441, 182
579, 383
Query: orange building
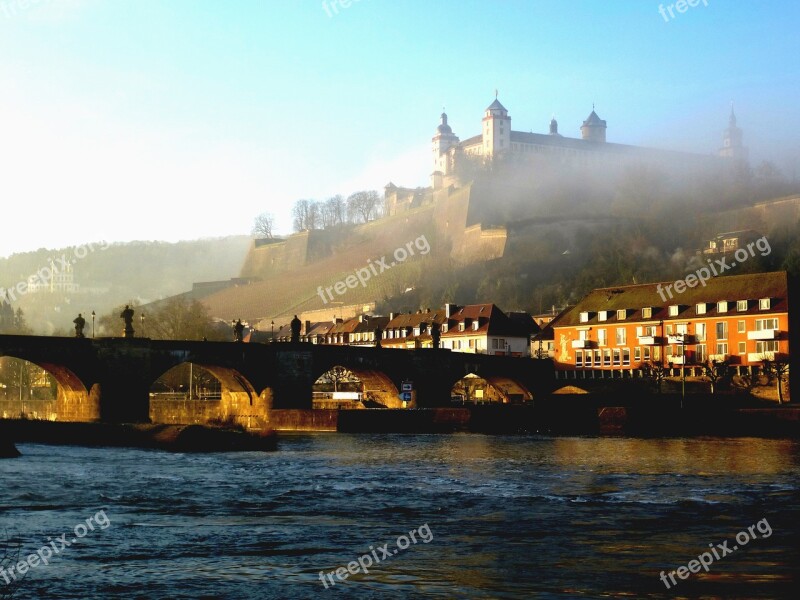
741, 319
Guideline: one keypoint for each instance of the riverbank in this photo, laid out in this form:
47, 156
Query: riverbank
7, 449
176, 438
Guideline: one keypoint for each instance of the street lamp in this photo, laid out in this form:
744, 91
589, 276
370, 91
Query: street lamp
142, 321
272, 331
93, 324
683, 366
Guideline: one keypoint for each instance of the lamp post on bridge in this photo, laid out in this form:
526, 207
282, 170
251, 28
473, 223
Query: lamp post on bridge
93, 314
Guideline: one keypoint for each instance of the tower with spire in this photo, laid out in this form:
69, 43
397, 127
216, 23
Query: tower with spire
732, 146
593, 128
442, 142
496, 129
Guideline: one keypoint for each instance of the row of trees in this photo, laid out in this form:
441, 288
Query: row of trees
360, 207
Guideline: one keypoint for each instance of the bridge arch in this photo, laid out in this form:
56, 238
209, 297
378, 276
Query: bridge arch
377, 386
233, 401
476, 386
73, 402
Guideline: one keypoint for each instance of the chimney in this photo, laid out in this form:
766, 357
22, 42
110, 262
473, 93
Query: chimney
307, 328
392, 316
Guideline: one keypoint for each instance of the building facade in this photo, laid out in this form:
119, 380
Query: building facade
740, 320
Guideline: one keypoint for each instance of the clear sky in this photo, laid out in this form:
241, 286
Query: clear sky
156, 119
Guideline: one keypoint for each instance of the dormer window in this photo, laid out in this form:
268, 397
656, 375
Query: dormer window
416, 330
622, 314
475, 326
701, 308
584, 317
602, 315
741, 305
444, 327
722, 306
647, 312
765, 303
461, 326
674, 310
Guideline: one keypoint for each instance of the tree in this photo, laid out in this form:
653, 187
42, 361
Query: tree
300, 215
716, 372
263, 225
173, 319
362, 205
655, 371
777, 368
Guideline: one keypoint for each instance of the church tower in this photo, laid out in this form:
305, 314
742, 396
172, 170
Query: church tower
593, 128
442, 142
732, 141
496, 130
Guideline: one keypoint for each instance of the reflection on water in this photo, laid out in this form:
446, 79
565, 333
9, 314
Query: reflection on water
512, 517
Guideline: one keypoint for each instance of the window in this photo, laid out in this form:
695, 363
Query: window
626, 357
588, 358
762, 324
646, 354
669, 329
766, 346
579, 358
764, 303
700, 353
722, 348
416, 330
741, 305
475, 326
472, 343
701, 308
622, 336
602, 337
700, 332
742, 347
740, 327
606, 358
461, 326
583, 334
584, 317
444, 327
622, 314
682, 328
722, 306
602, 315
674, 310
597, 355
616, 357
722, 332
647, 312
637, 354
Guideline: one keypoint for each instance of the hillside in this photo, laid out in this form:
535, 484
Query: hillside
109, 275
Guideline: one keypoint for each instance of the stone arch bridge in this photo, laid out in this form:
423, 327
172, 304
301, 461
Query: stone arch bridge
109, 379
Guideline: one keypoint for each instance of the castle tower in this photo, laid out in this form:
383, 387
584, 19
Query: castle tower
496, 130
732, 141
593, 128
442, 142
554, 127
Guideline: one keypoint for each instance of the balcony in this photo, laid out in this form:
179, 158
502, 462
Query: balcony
680, 338
718, 357
582, 344
649, 340
675, 360
764, 334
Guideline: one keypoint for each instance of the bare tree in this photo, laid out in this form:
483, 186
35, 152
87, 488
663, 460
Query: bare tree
313, 216
716, 372
777, 369
263, 225
655, 371
300, 215
362, 205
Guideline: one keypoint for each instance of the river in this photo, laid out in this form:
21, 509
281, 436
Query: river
492, 517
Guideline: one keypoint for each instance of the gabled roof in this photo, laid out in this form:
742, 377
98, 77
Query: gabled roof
491, 321
634, 298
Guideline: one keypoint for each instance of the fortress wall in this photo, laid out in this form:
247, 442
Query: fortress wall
483, 244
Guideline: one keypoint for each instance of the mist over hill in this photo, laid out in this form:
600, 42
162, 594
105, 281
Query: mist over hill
106, 275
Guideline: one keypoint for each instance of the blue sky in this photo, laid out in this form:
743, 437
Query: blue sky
145, 119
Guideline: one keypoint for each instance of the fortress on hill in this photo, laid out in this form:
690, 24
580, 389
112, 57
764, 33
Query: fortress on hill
465, 207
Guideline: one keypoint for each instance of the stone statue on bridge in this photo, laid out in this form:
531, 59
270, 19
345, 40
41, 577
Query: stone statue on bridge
436, 334
296, 325
80, 323
238, 331
127, 316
